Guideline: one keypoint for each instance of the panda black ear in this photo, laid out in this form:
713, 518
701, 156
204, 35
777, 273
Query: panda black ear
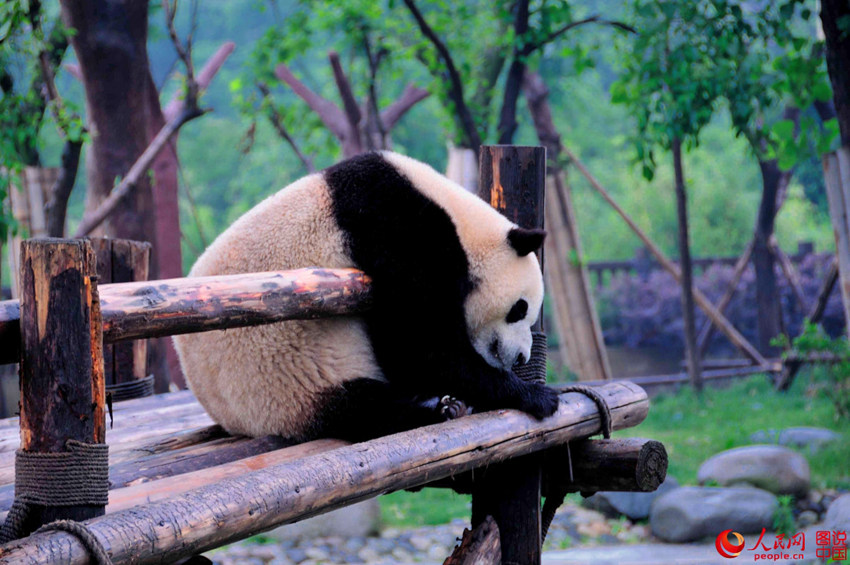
526, 241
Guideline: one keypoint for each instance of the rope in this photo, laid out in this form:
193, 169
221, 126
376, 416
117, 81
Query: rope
133, 389
555, 499
79, 476
81, 532
535, 369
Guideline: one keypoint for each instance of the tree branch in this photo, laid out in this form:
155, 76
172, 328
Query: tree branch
529, 48
349, 103
185, 53
507, 116
274, 118
409, 98
205, 77
128, 183
333, 118
471, 137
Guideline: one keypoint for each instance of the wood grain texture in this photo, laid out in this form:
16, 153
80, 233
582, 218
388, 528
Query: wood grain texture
513, 180
176, 306
479, 546
62, 386
629, 464
243, 505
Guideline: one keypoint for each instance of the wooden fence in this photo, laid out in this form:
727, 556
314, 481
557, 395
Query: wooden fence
178, 485
642, 263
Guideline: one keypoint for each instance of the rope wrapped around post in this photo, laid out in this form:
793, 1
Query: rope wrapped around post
76, 477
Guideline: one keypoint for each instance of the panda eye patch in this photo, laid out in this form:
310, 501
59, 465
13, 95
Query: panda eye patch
518, 311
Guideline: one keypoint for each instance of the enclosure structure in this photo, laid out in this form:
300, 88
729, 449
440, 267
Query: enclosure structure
177, 485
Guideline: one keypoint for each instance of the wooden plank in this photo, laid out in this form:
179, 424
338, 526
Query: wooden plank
130, 262
62, 388
225, 511
836, 174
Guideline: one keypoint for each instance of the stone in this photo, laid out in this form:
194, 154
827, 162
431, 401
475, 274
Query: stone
357, 520
807, 518
770, 467
633, 505
692, 513
838, 515
802, 436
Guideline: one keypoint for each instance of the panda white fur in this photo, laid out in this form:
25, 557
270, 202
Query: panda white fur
456, 288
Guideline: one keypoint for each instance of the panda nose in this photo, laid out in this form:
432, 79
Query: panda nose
520, 359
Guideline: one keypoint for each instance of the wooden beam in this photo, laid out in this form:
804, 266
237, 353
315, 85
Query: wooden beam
513, 180
176, 306
701, 299
62, 385
836, 174
235, 508
630, 465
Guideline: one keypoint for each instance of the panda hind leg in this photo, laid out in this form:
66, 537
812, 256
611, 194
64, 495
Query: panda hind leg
365, 409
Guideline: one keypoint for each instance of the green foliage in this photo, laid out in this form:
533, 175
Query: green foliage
783, 518
815, 341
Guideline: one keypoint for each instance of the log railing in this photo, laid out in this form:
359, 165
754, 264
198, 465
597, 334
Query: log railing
180, 485
643, 264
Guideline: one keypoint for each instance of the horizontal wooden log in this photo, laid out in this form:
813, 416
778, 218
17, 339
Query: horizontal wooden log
176, 306
629, 464
232, 509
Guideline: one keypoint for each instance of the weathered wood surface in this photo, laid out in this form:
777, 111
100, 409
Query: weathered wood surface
836, 176
513, 180
62, 388
630, 464
223, 512
479, 546
118, 261
701, 299
176, 306
566, 274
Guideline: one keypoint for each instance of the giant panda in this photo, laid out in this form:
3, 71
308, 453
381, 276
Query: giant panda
456, 288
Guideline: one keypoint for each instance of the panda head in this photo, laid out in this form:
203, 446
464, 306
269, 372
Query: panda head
507, 296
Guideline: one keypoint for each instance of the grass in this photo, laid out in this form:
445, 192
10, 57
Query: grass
692, 429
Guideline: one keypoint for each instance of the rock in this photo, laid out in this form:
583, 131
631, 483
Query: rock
770, 467
838, 515
807, 518
634, 505
691, 513
361, 519
801, 436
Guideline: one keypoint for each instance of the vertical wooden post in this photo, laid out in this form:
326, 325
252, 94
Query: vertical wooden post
123, 260
836, 174
513, 179
61, 378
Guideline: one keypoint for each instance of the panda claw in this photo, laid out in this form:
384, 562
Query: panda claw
451, 408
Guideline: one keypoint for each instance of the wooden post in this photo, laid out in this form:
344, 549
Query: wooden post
513, 180
123, 260
836, 173
62, 388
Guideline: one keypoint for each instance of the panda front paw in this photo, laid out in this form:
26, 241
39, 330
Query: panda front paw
452, 408
540, 401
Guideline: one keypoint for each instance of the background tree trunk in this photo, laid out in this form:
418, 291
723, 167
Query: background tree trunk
767, 296
691, 352
838, 60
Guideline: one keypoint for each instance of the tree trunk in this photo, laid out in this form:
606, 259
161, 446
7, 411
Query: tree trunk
462, 167
691, 352
832, 13
110, 42
767, 297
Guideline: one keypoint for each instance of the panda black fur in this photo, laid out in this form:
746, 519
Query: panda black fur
455, 290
